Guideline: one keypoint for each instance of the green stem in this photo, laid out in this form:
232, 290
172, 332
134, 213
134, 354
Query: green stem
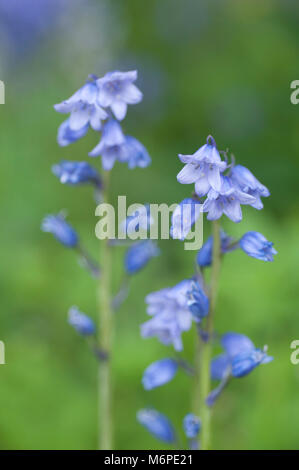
105, 338
204, 350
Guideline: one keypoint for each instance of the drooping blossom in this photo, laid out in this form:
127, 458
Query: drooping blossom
170, 314
139, 254
117, 90
74, 173
157, 424
83, 324
254, 244
249, 184
159, 373
83, 108
226, 201
203, 168
62, 231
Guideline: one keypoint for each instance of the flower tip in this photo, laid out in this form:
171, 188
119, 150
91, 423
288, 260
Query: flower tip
211, 140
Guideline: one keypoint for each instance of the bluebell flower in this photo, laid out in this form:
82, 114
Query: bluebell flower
140, 220
237, 346
198, 302
245, 362
157, 424
184, 217
81, 322
62, 231
204, 255
83, 107
248, 183
137, 154
170, 314
112, 145
226, 201
254, 244
117, 90
73, 173
239, 359
191, 425
139, 254
159, 373
66, 135
203, 168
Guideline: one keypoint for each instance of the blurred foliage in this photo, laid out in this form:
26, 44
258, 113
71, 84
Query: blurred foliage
219, 67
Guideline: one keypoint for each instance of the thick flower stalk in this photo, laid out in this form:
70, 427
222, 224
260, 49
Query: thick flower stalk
99, 105
220, 189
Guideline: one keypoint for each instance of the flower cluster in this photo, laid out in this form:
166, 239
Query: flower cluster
99, 104
225, 186
219, 188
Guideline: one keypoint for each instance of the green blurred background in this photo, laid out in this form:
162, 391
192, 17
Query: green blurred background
205, 67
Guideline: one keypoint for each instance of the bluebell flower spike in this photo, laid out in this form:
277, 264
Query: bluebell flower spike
157, 424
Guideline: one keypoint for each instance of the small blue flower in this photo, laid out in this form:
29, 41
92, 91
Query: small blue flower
137, 154
204, 255
83, 108
74, 173
139, 254
112, 146
245, 362
81, 322
249, 184
116, 90
62, 231
237, 347
67, 136
159, 373
191, 425
157, 424
198, 302
184, 217
203, 168
226, 201
170, 314
238, 360
254, 244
